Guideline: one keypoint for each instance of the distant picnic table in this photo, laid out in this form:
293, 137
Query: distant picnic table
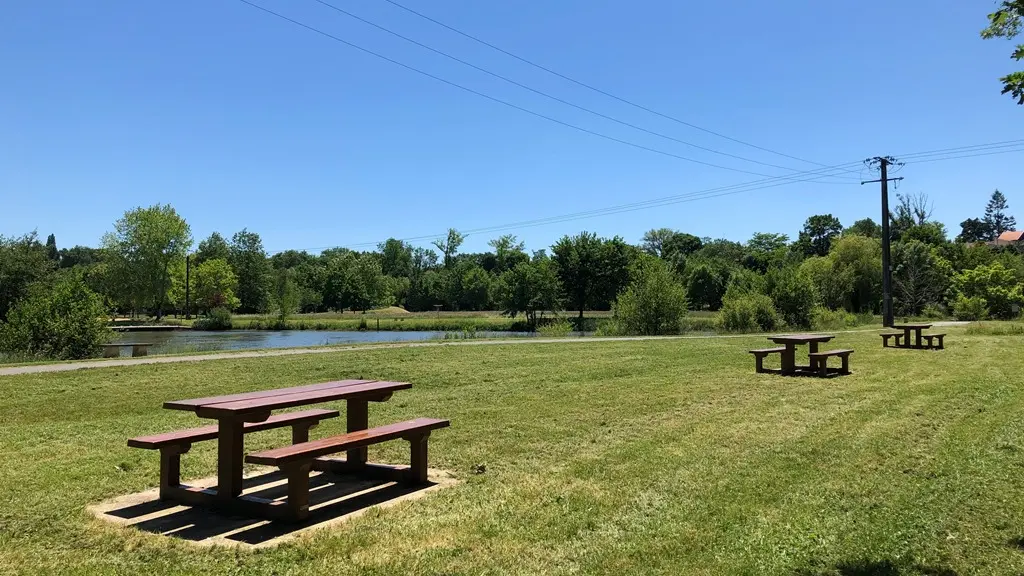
818, 360
934, 341
239, 414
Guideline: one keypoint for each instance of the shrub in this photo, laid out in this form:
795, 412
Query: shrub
218, 319
935, 311
62, 319
793, 294
655, 303
965, 308
824, 319
749, 313
558, 329
996, 285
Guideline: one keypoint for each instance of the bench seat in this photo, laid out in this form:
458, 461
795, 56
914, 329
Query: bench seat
887, 335
114, 350
760, 354
931, 340
173, 444
819, 360
296, 461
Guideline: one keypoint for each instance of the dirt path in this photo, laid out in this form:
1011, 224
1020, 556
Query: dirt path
64, 367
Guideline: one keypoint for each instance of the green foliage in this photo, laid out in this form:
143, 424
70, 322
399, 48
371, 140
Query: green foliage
965, 308
508, 253
824, 319
865, 227
23, 261
249, 261
997, 286
449, 246
996, 219
1006, 23
974, 230
558, 329
61, 319
706, 282
213, 248
920, 277
217, 319
213, 286
793, 294
529, 288
592, 270
750, 312
935, 311
396, 258
654, 303
819, 231
287, 297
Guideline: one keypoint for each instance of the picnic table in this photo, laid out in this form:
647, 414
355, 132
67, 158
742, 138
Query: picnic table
917, 328
114, 350
791, 341
238, 414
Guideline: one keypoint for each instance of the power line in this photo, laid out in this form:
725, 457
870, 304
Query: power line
509, 104
542, 93
595, 89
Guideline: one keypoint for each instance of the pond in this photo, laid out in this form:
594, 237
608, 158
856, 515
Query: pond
182, 341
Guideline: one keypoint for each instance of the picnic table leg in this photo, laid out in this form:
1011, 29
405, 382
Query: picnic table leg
229, 458
358, 417
917, 337
906, 337
789, 359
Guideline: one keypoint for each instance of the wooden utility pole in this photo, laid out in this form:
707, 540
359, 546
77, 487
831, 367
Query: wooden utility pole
188, 285
883, 165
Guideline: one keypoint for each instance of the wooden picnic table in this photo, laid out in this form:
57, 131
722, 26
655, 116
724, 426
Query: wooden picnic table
917, 328
233, 411
791, 341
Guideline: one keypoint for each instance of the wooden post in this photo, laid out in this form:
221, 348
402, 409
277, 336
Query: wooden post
418, 459
358, 418
170, 468
230, 435
298, 489
300, 432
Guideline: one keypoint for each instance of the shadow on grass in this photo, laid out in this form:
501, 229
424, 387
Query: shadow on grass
331, 498
876, 568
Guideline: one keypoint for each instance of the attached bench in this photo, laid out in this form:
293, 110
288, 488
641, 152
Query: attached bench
296, 461
114, 350
887, 335
819, 361
760, 354
173, 444
931, 337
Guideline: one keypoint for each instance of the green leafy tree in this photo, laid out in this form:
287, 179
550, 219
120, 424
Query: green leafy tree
793, 294
996, 219
23, 261
997, 285
249, 261
1006, 23
931, 233
215, 247
80, 256
62, 319
287, 295
832, 286
367, 287
290, 259
578, 262
911, 210
214, 286
819, 231
865, 227
474, 289
449, 246
974, 230
52, 253
858, 260
654, 303
920, 277
508, 253
530, 288
706, 282
765, 250
396, 258
144, 247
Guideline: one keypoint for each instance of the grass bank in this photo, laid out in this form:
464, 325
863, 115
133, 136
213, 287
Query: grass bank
653, 457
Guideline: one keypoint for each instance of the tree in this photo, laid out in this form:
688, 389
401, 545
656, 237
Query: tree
911, 210
865, 227
920, 277
290, 259
213, 248
449, 246
793, 295
52, 253
529, 288
765, 249
997, 285
366, 287
396, 258
214, 286
474, 288
145, 245
706, 282
654, 303
508, 252
286, 295
816, 237
1006, 23
79, 256
974, 230
23, 261
62, 319
577, 261
931, 233
996, 219
249, 261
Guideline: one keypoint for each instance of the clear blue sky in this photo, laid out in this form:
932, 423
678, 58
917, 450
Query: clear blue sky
240, 119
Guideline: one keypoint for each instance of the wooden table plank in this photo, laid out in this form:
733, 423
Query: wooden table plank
800, 338
265, 404
194, 404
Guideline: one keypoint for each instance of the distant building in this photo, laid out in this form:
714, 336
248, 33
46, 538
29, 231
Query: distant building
1009, 238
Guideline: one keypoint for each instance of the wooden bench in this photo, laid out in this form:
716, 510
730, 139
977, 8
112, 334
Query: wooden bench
819, 361
296, 461
760, 354
114, 350
887, 335
173, 444
931, 337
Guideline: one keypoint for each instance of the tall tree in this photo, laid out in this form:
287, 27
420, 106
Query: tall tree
144, 247
529, 288
213, 248
214, 284
23, 261
865, 227
1006, 23
974, 230
396, 258
996, 218
508, 252
816, 237
577, 261
249, 260
449, 246
51, 249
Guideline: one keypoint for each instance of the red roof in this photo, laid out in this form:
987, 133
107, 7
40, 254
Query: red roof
1011, 236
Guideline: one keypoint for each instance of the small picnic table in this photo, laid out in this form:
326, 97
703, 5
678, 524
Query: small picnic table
917, 328
791, 341
234, 410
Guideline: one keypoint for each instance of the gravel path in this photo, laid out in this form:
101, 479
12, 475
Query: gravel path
64, 367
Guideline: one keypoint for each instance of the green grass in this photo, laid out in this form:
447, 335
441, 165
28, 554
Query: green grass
651, 457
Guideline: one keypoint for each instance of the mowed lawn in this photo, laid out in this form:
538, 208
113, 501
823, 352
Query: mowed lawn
644, 457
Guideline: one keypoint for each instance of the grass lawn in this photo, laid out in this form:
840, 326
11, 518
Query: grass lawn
651, 457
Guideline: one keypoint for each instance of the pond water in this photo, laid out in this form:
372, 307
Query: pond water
180, 341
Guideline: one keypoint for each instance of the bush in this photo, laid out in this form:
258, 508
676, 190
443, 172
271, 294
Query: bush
965, 308
824, 319
749, 313
62, 319
935, 311
218, 319
655, 303
793, 294
558, 329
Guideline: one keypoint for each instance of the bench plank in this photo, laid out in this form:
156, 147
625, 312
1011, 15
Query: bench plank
309, 450
828, 353
768, 350
189, 436
819, 361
